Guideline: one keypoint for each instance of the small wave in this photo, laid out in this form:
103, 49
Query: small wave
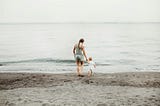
99, 64
50, 60
39, 61
124, 53
87, 64
66, 62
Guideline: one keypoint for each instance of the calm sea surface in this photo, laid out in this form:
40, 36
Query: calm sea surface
48, 47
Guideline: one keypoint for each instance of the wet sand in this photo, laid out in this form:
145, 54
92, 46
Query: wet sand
35, 89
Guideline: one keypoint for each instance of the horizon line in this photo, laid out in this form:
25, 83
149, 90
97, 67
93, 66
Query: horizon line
76, 22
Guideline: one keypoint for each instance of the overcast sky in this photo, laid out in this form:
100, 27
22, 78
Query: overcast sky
30, 11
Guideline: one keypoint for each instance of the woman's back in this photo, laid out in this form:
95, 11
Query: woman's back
78, 50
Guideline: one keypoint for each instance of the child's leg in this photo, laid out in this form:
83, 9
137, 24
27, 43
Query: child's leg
89, 72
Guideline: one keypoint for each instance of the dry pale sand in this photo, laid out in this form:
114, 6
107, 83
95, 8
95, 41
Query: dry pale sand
118, 89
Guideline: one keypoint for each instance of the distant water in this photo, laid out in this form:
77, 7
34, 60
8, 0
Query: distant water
48, 47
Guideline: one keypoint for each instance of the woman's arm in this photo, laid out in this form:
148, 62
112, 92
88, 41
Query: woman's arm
74, 50
84, 52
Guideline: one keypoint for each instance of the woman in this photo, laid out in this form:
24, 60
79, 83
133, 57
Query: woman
79, 53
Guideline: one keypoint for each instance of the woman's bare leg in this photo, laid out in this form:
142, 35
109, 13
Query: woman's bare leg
82, 66
78, 68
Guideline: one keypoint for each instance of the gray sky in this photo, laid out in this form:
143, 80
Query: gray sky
79, 11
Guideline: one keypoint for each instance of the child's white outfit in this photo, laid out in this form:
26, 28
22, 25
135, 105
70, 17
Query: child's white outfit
91, 65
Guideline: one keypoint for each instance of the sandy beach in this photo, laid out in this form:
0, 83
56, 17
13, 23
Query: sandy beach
116, 89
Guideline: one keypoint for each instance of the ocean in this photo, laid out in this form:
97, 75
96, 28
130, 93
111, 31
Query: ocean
115, 47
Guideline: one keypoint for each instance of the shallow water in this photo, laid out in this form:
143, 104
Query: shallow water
48, 47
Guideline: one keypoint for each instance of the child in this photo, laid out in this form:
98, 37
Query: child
92, 66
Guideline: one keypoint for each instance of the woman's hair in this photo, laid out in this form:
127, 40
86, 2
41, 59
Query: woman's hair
90, 58
80, 41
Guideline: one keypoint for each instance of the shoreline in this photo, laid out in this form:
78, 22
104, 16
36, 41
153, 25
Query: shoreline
46, 89
73, 72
